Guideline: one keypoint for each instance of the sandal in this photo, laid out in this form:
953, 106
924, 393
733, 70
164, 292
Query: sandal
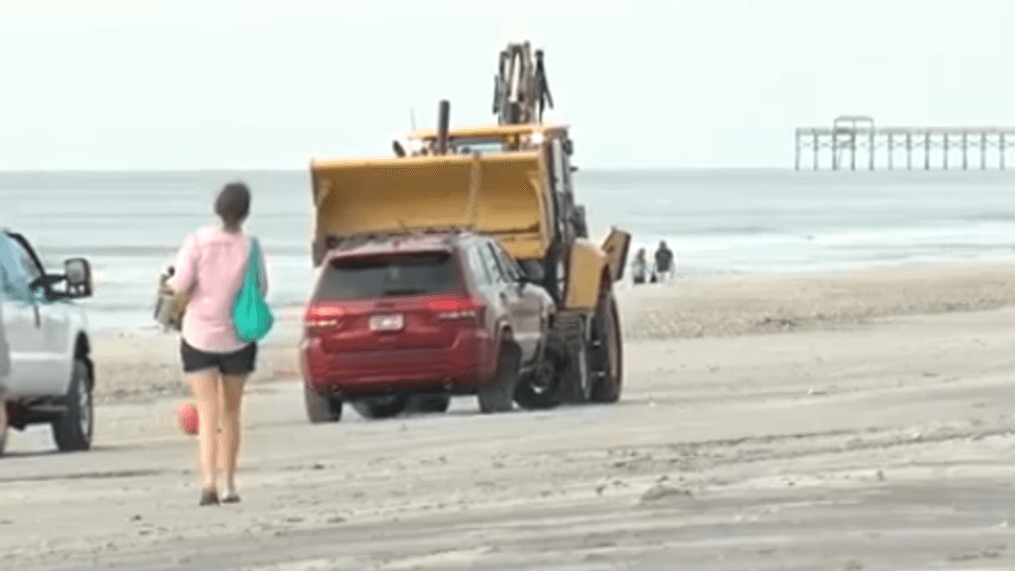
209, 497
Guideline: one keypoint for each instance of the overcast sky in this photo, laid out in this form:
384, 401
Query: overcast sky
271, 84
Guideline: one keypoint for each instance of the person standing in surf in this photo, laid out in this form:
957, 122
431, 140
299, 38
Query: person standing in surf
209, 270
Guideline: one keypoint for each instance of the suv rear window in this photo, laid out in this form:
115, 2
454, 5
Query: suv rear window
389, 275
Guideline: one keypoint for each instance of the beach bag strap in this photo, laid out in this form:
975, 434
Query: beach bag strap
251, 314
254, 264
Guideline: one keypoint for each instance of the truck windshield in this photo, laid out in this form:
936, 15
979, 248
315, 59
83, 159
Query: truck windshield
389, 275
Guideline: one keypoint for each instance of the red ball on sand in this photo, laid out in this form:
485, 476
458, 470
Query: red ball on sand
187, 414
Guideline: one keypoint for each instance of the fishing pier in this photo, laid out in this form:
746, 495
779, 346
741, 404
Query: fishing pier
855, 142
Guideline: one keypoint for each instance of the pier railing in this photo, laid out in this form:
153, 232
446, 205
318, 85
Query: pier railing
856, 138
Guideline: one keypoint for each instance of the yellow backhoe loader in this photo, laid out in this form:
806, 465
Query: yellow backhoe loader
511, 180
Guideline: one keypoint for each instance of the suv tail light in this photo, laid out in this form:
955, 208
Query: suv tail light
454, 308
319, 318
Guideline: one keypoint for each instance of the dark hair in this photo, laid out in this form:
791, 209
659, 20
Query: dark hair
233, 203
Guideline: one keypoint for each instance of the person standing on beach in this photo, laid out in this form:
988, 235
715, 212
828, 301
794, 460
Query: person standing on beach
664, 261
639, 267
210, 269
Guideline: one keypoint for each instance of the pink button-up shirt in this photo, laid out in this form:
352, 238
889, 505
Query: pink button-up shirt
211, 266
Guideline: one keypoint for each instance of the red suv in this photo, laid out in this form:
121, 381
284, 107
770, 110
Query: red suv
399, 323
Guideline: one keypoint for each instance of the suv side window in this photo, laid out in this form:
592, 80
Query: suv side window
477, 267
14, 279
490, 261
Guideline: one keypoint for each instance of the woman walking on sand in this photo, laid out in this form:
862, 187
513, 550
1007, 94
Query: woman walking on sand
210, 270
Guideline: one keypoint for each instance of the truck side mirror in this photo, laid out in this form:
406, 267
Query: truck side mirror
78, 274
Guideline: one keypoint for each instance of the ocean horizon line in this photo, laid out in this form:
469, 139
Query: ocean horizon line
608, 170
251, 170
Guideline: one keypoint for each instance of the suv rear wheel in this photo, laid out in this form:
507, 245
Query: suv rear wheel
321, 408
72, 430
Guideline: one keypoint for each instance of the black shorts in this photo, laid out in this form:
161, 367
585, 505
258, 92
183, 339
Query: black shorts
236, 363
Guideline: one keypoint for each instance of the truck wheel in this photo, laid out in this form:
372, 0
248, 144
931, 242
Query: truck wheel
321, 408
380, 407
541, 389
424, 403
608, 354
72, 430
498, 396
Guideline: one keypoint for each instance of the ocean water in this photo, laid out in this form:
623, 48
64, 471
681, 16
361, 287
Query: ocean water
129, 224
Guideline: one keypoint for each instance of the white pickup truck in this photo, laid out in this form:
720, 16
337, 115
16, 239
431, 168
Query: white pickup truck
46, 373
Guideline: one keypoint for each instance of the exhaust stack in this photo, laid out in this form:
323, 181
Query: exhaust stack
442, 127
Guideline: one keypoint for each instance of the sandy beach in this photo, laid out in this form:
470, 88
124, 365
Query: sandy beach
846, 422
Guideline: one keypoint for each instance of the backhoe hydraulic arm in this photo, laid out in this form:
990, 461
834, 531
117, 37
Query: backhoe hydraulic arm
521, 91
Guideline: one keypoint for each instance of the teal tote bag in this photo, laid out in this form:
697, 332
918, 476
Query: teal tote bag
251, 313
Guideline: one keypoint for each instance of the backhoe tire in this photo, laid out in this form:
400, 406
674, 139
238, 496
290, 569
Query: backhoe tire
498, 396
72, 430
541, 389
321, 408
607, 356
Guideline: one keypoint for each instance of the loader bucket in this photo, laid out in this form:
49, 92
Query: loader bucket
496, 195
615, 246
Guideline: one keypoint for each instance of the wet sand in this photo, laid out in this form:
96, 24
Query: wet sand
848, 422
